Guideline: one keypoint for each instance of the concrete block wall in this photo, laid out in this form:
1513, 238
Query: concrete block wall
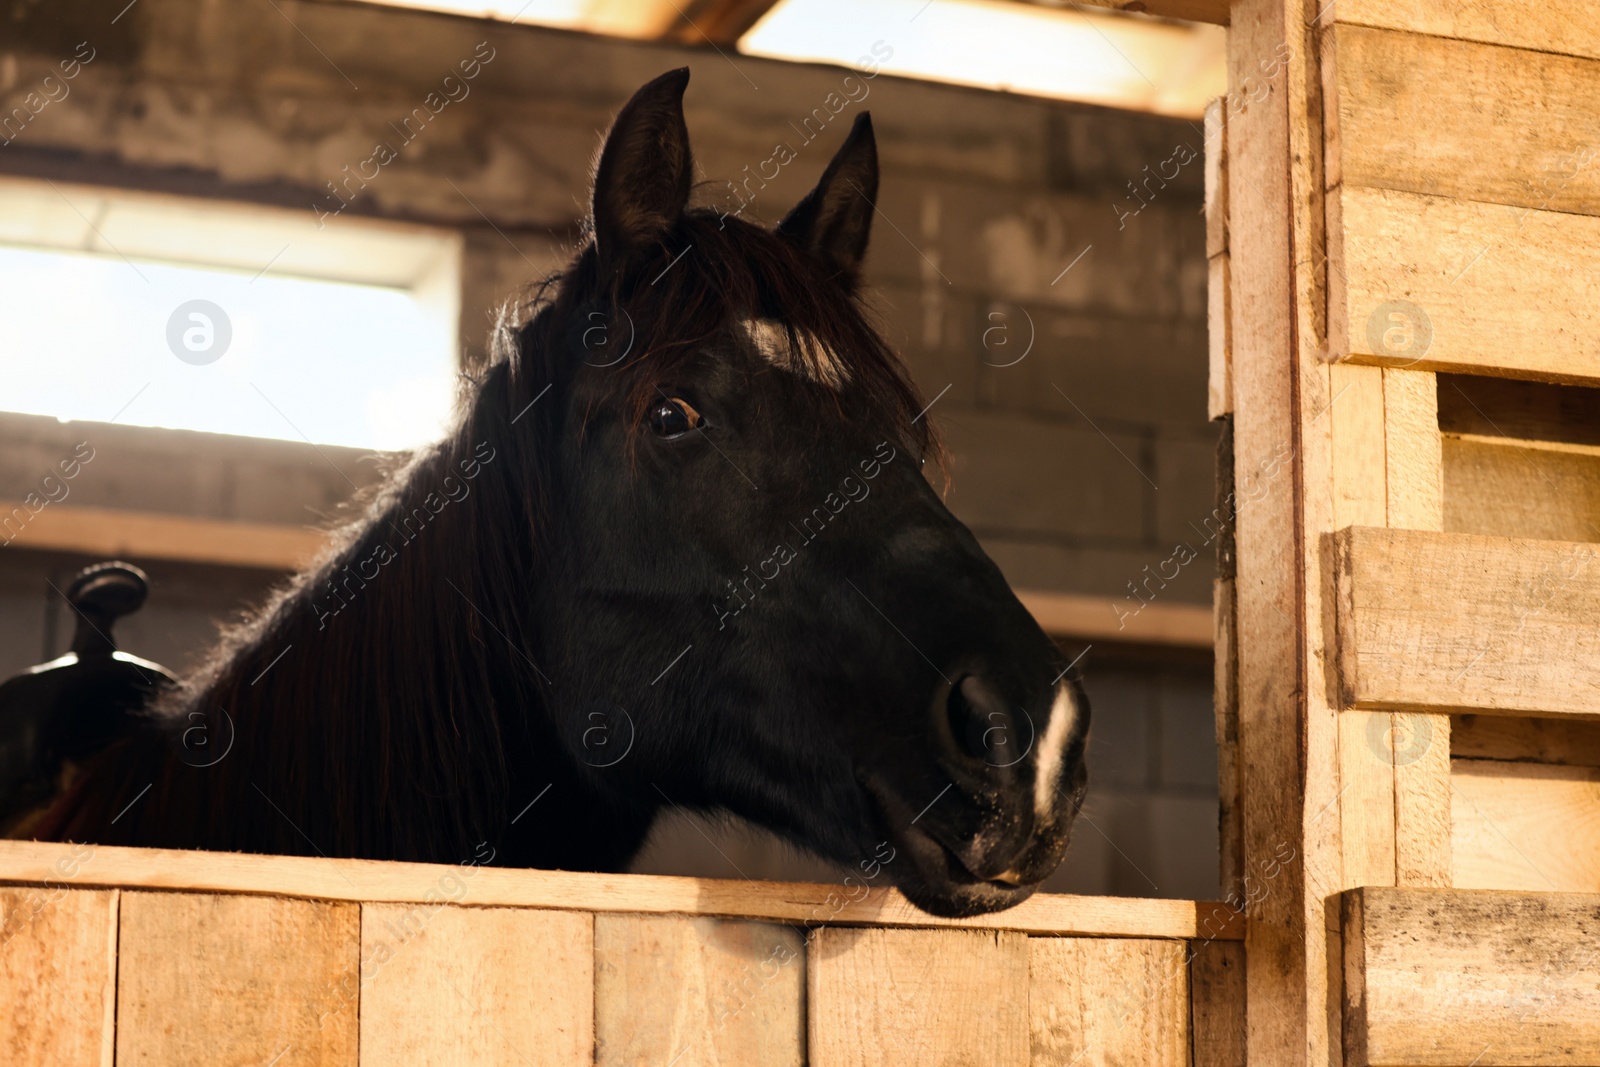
1040, 266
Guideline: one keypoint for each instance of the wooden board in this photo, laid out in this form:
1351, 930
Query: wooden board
1460, 623
126, 534
1102, 1003
1219, 377
447, 986
1508, 488
1486, 278
698, 992
1532, 413
1213, 11
1574, 742
378, 881
205, 979
1217, 1004
58, 970
917, 997
1573, 29
1451, 977
1216, 178
1098, 619
1457, 119
1533, 826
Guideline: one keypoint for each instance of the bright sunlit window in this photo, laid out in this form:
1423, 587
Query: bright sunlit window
198, 315
1065, 53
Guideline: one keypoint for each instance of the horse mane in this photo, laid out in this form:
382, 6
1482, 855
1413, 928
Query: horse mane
386, 714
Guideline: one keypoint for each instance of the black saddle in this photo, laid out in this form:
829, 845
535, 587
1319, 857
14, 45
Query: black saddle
59, 713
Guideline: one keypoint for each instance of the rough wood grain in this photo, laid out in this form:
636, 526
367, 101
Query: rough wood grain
1101, 1003
377, 881
1216, 175
1217, 999
1573, 29
1442, 977
1219, 379
954, 997
1482, 274
1511, 488
1462, 623
58, 970
698, 992
1366, 798
1574, 742
1533, 826
205, 979
448, 986
1463, 120
1421, 799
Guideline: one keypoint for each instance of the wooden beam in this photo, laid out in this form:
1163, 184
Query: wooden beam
716, 22
321, 878
1441, 978
1101, 1003
1571, 29
114, 532
1066, 615
1212, 11
1463, 623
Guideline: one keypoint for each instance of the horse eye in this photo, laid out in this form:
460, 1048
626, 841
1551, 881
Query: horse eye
673, 418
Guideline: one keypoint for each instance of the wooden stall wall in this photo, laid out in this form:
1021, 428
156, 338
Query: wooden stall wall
138, 956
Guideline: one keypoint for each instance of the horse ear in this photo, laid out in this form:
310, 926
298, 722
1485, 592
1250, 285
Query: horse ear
835, 219
641, 184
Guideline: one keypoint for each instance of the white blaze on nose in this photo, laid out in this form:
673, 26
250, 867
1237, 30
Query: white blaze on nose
1052, 751
771, 339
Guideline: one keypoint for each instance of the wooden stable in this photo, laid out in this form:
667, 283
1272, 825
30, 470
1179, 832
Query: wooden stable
1404, 237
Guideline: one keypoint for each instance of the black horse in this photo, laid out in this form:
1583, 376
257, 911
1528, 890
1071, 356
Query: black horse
679, 550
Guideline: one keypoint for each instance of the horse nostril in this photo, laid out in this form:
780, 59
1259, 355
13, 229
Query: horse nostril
972, 728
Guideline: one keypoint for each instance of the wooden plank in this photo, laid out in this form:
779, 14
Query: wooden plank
205, 979
316, 878
1531, 413
1510, 488
1478, 105
1411, 447
1573, 29
1217, 999
58, 971
1470, 283
1573, 742
1366, 798
917, 996
1216, 177
114, 532
1532, 826
698, 992
1462, 623
1102, 1003
1213, 11
1445, 977
1101, 619
1219, 379
448, 986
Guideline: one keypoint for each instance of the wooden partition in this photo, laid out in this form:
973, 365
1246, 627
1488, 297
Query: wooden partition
177, 958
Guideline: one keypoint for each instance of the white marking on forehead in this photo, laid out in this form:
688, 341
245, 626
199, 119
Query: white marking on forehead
1052, 749
771, 339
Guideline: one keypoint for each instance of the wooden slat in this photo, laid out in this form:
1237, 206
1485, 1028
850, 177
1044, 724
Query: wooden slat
376, 881
1487, 278
1532, 413
1213, 11
114, 532
58, 968
1442, 978
1217, 999
448, 986
917, 996
1216, 177
1461, 623
1219, 379
1572, 29
698, 992
1483, 123
1509, 488
1101, 1003
1532, 826
1097, 619
205, 979
1572, 742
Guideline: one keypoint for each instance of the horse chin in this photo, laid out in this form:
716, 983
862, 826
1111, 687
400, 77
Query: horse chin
937, 882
